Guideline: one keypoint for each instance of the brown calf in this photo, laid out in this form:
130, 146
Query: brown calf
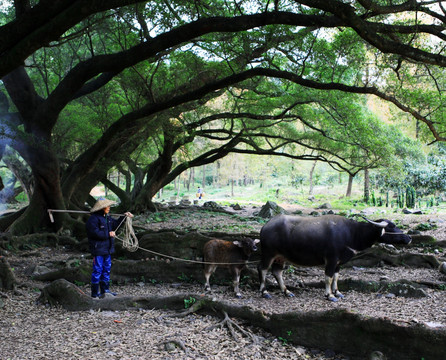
231, 254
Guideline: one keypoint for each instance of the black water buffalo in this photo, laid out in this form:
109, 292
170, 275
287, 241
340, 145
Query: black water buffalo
231, 254
329, 240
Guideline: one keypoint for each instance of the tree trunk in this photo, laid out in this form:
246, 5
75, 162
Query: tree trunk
203, 180
159, 170
20, 171
190, 179
349, 186
366, 185
310, 192
47, 194
217, 173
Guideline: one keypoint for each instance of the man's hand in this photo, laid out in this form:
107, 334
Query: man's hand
129, 214
112, 234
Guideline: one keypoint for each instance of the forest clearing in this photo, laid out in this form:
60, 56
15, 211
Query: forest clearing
408, 295
202, 120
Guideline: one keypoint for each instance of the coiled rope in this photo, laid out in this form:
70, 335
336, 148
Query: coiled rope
130, 241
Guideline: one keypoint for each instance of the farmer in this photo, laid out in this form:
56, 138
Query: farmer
101, 237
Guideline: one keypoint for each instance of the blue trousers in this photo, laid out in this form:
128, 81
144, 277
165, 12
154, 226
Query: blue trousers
101, 269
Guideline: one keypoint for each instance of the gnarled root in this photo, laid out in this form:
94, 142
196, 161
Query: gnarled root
230, 324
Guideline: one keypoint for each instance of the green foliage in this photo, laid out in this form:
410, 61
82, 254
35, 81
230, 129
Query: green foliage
164, 125
425, 227
189, 302
411, 197
283, 340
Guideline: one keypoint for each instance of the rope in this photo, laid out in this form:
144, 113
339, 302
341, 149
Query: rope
189, 261
130, 241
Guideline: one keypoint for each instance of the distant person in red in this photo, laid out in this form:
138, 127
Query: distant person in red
101, 237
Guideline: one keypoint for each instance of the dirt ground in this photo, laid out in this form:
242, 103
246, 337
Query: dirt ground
30, 331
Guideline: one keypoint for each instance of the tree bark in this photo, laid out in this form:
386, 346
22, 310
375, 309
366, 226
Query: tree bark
349, 186
22, 173
310, 192
366, 186
38, 152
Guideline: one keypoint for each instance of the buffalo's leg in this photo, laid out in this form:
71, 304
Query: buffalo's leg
328, 286
277, 270
262, 268
331, 281
334, 286
208, 271
236, 281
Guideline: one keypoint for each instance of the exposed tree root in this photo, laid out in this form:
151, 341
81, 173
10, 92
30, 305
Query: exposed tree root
230, 324
360, 334
170, 344
197, 306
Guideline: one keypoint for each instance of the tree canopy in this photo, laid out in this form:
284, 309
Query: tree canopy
157, 87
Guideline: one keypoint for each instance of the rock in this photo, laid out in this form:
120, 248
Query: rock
39, 270
170, 346
368, 211
271, 209
7, 278
172, 201
434, 325
185, 201
213, 205
325, 206
236, 207
408, 211
406, 290
377, 355
442, 268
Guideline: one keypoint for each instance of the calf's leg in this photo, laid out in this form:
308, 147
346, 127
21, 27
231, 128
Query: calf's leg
236, 280
208, 271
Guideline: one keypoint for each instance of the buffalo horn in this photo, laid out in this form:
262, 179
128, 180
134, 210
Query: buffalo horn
381, 224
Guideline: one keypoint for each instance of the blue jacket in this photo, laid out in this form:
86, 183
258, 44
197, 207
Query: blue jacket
98, 228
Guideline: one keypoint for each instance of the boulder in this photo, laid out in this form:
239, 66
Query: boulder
325, 206
271, 209
236, 207
212, 205
442, 268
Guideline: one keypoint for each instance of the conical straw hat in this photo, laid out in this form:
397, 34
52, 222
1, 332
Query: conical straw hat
102, 203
